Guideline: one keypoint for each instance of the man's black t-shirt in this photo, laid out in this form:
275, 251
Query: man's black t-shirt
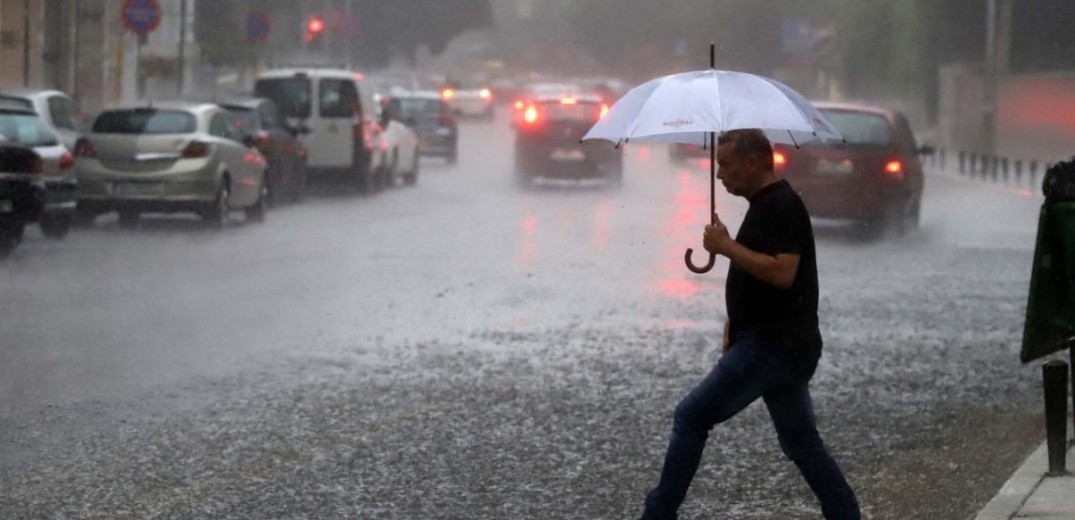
777, 222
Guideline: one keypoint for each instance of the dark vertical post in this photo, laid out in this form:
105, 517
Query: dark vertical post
182, 68
1055, 376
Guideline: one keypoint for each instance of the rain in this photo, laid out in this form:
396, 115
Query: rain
444, 337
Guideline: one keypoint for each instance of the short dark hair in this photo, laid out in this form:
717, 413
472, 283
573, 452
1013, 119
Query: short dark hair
749, 142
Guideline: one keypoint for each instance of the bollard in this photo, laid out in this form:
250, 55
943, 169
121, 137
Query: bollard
943, 165
1019, 171
962, 162
1055, 376
1004, 168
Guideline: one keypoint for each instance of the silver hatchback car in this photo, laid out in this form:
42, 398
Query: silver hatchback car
166, 158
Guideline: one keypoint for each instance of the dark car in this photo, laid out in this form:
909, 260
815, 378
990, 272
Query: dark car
548, 144
431, 118
21, 193
278, 142
875, 177
21, 125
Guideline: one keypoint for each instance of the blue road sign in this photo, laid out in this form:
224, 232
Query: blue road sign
141, 16
258, 26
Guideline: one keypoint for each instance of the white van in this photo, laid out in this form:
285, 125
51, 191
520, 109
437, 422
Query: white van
337, 117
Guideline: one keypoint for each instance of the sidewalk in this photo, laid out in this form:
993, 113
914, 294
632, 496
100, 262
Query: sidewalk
1031, 494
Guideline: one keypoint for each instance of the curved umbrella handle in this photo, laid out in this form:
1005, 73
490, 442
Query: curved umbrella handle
700, 270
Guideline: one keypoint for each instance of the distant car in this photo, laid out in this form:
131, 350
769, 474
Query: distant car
60, 112
24, 126
21, 198
401, 143
874, 178
170, 157
469, 102
681, 152
547, 141
430, 118
278, 142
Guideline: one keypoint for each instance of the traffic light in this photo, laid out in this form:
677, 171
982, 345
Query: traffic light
315, 28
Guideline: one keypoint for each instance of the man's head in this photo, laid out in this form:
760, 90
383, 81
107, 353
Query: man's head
745, 158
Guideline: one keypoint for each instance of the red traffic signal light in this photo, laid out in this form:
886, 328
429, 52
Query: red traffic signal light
315, 26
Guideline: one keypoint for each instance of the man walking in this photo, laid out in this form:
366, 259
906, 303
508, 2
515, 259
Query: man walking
772, 341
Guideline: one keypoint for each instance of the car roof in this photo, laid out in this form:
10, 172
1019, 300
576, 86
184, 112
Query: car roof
191, 106
243, 102
413, 94
309, 71
14, 107
27, 93
851, 106
587, 98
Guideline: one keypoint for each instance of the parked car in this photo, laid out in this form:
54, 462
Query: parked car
431, 119
345, 137
170, 157
21, 125
875, 177
21, 196
402, 147
548, 141
278, 142
60, 112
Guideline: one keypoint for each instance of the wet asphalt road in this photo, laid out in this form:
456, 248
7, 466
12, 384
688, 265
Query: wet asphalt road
463, 349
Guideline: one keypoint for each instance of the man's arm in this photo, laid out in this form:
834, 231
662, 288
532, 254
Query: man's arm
778, 271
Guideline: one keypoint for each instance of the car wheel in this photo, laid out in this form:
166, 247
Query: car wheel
268, 192
55, 226
216, 214
128, 219
10, 236
256, 213
365, 178
389, 178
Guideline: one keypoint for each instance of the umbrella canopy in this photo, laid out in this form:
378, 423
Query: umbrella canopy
685, 107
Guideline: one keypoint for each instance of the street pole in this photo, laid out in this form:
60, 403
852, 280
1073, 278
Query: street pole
181, 72
26, 43
990, 101
348, 21
75, 48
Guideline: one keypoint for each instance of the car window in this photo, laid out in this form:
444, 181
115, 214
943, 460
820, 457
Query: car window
268, 115
573, 110
58, 111
218, 126
145, 121
25, 129
907, 141
248, 118
339, 98
291, 95
417, 108
860, 128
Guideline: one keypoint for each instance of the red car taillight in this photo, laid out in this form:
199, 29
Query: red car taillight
779, 160
262, 140
531, 115
66, 161
83, 148
196, 150
894, 169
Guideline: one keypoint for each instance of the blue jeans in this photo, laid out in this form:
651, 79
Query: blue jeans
746, 372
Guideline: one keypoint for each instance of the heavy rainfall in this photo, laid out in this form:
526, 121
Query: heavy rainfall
352, 307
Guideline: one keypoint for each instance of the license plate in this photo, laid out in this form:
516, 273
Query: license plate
131, 189
568, 155
6, 206
829, 167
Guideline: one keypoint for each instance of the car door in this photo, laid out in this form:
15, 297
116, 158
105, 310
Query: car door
333, 128
233, 154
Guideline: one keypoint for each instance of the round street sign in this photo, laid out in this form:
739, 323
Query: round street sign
141, 16
258, 26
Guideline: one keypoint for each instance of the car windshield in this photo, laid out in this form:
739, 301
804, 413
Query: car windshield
25, 129
860, 128
570, 109
418, 108
292, 94
247, 117
145, 121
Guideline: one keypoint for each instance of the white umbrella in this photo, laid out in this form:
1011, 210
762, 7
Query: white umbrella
694, 107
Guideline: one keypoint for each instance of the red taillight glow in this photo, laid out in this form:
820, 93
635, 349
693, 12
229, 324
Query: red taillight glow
519, 104
779, 160
196, 150
66, 161
263, 140
531, 115
604, 110
447, 93
486, 94
894, 168
83, 148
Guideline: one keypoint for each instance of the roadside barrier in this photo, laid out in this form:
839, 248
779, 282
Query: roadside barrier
998, 169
